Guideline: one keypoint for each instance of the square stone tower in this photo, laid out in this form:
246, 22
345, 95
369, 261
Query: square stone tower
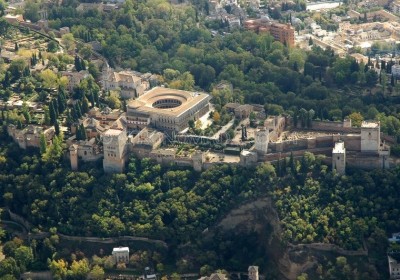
73, 156
262, 139
253, 272
339, 158
370, 137
114, 147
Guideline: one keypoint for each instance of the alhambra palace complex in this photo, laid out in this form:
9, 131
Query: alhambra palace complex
157, 115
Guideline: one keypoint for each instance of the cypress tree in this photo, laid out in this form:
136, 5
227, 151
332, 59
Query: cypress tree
283, 167
69, 120
55, 106
78, 109
83, 65
85, 105
295, 66
74, 114
27, 116
57, 128
47, 119
278, 167
61, 102
78, 132
303, 165
6, 81
82, 132
26, 72
77, 64
53, 116
96, 99
92, 99
292, 164
43, 143
383, 64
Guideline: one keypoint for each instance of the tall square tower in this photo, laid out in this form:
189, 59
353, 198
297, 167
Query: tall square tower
339, 158
370, 136
114, 147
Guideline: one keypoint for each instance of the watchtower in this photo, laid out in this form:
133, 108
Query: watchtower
73, 156
339, 158
262, 139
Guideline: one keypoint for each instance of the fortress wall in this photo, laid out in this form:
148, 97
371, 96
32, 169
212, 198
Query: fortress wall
325, 141
184, 162
141, 152
364, 162
340, 127
326, 124
276, 156
285, 146
352, 142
